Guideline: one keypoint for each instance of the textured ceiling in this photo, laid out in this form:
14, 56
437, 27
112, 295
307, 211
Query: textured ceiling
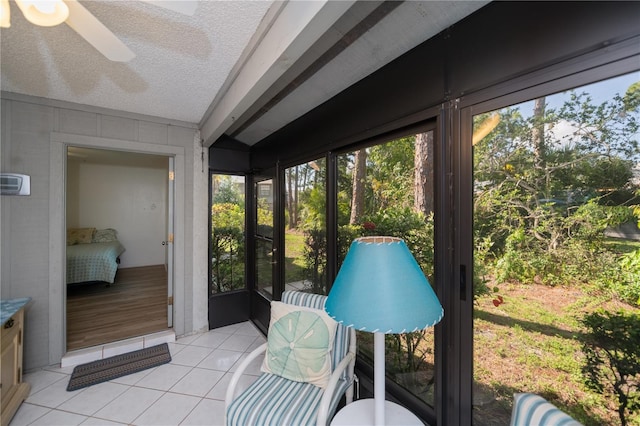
241, 68
181, 61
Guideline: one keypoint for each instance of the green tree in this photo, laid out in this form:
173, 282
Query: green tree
533, 174
391, 176
225, 191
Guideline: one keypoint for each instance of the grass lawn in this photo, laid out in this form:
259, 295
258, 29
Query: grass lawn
532, 343
293, 256
622, 246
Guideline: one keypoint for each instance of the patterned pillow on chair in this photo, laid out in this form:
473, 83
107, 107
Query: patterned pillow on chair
299, 344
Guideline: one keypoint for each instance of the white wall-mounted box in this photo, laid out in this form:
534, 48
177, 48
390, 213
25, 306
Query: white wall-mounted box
15, 184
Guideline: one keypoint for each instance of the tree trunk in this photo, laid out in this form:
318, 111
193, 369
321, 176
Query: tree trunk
423, 175
359, 177
305, 177
295, 198
539, 147
289, 174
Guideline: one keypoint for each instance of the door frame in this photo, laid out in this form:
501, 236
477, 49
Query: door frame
57, 228
247, 304
170, 225
260, 305
230, 307
563, 76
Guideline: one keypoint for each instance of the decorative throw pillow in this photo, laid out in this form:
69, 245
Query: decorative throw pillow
299, 344
79, 235
105, 235
71, 238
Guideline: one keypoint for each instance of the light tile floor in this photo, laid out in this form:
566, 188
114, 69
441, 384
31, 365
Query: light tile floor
189, 390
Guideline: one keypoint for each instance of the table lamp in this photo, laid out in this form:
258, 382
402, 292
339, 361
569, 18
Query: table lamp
381, 289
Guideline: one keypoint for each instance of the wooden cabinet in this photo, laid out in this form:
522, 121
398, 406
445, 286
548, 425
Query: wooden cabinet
12, 390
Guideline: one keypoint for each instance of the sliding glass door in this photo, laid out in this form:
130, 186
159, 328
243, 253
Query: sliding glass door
388, 189
556, 280
305, 227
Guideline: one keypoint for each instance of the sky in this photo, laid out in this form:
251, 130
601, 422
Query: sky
600, 92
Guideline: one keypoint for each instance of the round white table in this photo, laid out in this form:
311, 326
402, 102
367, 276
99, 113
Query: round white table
361, 412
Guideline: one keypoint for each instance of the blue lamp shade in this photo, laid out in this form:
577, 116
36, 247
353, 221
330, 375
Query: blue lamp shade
381, 288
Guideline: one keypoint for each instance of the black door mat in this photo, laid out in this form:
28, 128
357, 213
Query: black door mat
116, 366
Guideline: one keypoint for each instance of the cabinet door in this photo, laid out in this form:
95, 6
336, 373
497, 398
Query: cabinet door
9, 361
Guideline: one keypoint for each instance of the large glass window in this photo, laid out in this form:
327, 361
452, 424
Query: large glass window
388, 189
227, 233
265, 255
557, 253
305, 241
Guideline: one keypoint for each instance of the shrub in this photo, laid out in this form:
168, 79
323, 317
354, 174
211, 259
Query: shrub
227, 247
346, 235
408, 352
227, 259
629, 283
315, 259
412, 227
481, 266
227, 215
612, 358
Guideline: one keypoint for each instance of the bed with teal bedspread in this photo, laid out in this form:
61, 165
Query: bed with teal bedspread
93, 262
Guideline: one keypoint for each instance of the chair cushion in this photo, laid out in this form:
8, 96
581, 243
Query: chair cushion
274, 400
299, 344
533, 410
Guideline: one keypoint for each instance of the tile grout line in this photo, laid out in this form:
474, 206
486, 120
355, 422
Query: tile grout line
244, 332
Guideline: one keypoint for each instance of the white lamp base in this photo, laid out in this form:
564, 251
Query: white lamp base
361, 413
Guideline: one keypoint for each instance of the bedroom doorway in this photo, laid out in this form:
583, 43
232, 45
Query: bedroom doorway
124, 197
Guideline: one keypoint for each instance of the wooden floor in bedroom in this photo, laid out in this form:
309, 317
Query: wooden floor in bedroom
135, 305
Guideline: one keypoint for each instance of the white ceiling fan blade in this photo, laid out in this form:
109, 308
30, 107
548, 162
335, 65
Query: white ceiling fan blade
186, 7
99, 36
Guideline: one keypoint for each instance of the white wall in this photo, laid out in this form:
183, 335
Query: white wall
34, 133
73, 194
129, 199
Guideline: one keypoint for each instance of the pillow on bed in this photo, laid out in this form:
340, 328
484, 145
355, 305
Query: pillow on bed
80, 235
105, 235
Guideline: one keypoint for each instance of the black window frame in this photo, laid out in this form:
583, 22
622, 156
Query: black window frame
450, 78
